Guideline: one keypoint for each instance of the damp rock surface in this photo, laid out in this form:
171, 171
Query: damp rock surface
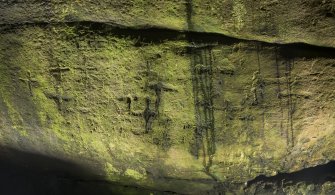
169, 97
284, 21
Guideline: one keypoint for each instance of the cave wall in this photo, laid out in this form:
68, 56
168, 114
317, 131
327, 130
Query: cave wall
284, 21
166, 100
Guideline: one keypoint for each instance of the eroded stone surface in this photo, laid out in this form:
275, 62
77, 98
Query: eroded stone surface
275, 21
168, 110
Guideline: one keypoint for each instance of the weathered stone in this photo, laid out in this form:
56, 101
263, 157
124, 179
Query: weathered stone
166, 100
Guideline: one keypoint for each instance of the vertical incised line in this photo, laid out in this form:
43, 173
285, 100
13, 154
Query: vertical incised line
289, 101
262, 92
279, 96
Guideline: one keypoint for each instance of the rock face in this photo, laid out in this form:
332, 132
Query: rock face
284, 21
189, 97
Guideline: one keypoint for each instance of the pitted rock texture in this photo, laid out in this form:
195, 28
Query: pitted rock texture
161, 103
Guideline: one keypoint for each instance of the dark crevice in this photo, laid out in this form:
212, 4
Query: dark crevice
148, 34
288, 68
278, 92
202, 81
189, 12
313, 175
201, 57
262, 85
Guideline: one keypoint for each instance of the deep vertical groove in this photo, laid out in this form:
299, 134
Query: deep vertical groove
258, 60
289, 101
196, 101
189, 12
262, 93
292, 108
202, 73
212, 127
288, 97
201, 68
279, 96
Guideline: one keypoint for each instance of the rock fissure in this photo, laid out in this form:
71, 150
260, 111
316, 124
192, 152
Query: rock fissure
316, 176
147, 31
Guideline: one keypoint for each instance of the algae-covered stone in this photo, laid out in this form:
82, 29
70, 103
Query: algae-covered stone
274, 21
165, 109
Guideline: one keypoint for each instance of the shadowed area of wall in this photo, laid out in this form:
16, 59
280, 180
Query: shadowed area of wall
36, 174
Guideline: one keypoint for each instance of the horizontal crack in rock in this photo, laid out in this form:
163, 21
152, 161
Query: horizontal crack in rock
165, 33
